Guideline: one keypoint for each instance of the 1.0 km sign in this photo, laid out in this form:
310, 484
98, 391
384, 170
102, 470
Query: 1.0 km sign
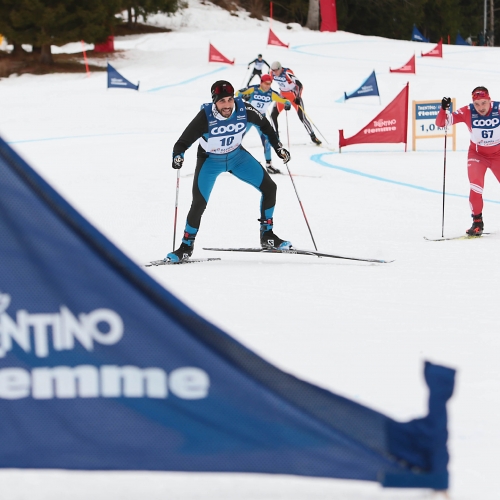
424, 122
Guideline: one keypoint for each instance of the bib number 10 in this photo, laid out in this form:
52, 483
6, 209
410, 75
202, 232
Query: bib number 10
487, 134
227, 141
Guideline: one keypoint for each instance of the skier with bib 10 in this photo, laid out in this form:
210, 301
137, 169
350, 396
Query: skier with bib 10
220, 126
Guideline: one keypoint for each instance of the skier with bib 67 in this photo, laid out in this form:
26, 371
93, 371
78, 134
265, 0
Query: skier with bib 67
220, 126
482, 118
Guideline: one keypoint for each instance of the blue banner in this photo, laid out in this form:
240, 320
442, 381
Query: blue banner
416, 36
368, 87
102, 368
115, 80
459, 40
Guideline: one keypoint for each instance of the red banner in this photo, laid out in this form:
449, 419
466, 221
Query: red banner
409, 67
107, 46
274, 40
328, 9
437, 51
389, 126
215, 56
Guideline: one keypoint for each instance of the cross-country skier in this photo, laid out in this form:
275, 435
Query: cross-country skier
291, 89
220, 126
482, 117
258, 64
261, 97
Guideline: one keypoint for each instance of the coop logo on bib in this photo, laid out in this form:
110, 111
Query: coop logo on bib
489, 122
264, 98
224, 129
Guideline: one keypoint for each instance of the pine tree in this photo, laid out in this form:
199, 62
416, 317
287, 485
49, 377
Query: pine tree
146, 8
42, 23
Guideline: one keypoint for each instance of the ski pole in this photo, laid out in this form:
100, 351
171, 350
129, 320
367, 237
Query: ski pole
293, 182
176, 205
444, 174
244, 84
313, 124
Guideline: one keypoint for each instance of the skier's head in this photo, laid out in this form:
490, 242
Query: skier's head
223, 97
259, 56
276, 67
481, 100
266, 80
221, 89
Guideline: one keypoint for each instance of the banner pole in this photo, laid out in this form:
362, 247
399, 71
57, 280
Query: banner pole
86, 61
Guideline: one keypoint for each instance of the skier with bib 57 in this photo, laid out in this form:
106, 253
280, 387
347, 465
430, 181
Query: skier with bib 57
261, 97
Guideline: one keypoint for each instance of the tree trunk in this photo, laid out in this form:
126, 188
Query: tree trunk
17, 50
46, 55
313, 15
129, 17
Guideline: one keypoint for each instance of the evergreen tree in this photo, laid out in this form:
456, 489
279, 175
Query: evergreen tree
42, 23
145, 8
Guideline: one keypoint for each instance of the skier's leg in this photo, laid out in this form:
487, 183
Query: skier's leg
476, 170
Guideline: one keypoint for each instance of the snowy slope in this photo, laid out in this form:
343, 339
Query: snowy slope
357, 329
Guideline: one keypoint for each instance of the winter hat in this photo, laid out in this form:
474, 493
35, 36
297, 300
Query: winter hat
266, 78
221, 89
276, 65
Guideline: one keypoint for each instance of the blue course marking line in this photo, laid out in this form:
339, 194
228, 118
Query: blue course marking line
317, 159
297, 48
186, 81
62, 138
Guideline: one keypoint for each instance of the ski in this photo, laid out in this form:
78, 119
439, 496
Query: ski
463, 237
296, 251
188, 261
326, 146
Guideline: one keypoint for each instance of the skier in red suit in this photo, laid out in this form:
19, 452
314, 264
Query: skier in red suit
482, 117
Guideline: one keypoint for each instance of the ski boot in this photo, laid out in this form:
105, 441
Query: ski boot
270, 169
268, 239
477, 225
315, 140
184, 251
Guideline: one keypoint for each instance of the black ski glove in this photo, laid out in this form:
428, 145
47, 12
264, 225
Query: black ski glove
177, 161
445, 103
283, 154
288, 106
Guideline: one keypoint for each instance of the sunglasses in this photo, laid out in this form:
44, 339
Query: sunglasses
225, 88
480, 94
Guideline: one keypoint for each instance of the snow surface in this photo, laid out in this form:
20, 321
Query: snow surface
360, 330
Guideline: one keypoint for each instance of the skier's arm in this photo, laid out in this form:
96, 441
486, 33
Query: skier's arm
461, 115
251, 62
266, 63
260, 121
197, 127
247, 91
275, 97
